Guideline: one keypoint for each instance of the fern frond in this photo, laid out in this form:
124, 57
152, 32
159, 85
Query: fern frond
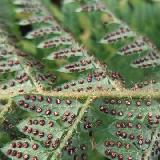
74, 51
152, 59
43, 32
122, 33
92, 7
49, 116
25, 149
97, 80
36, 19
54, 42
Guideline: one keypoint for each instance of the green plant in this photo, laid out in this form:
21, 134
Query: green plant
60, 102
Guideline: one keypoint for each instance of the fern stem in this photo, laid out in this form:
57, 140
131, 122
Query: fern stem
105, 93
149, 150
73, 127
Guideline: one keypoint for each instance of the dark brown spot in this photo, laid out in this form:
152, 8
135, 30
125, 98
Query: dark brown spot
48, 112
19, 154
14, 153
19, 145
49, 100
35, 146
42, 122
35, 158
41, 134
9, 151
25, 144
26, 157
50, 136
39, 110
13, 145
58, 101
51, 124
